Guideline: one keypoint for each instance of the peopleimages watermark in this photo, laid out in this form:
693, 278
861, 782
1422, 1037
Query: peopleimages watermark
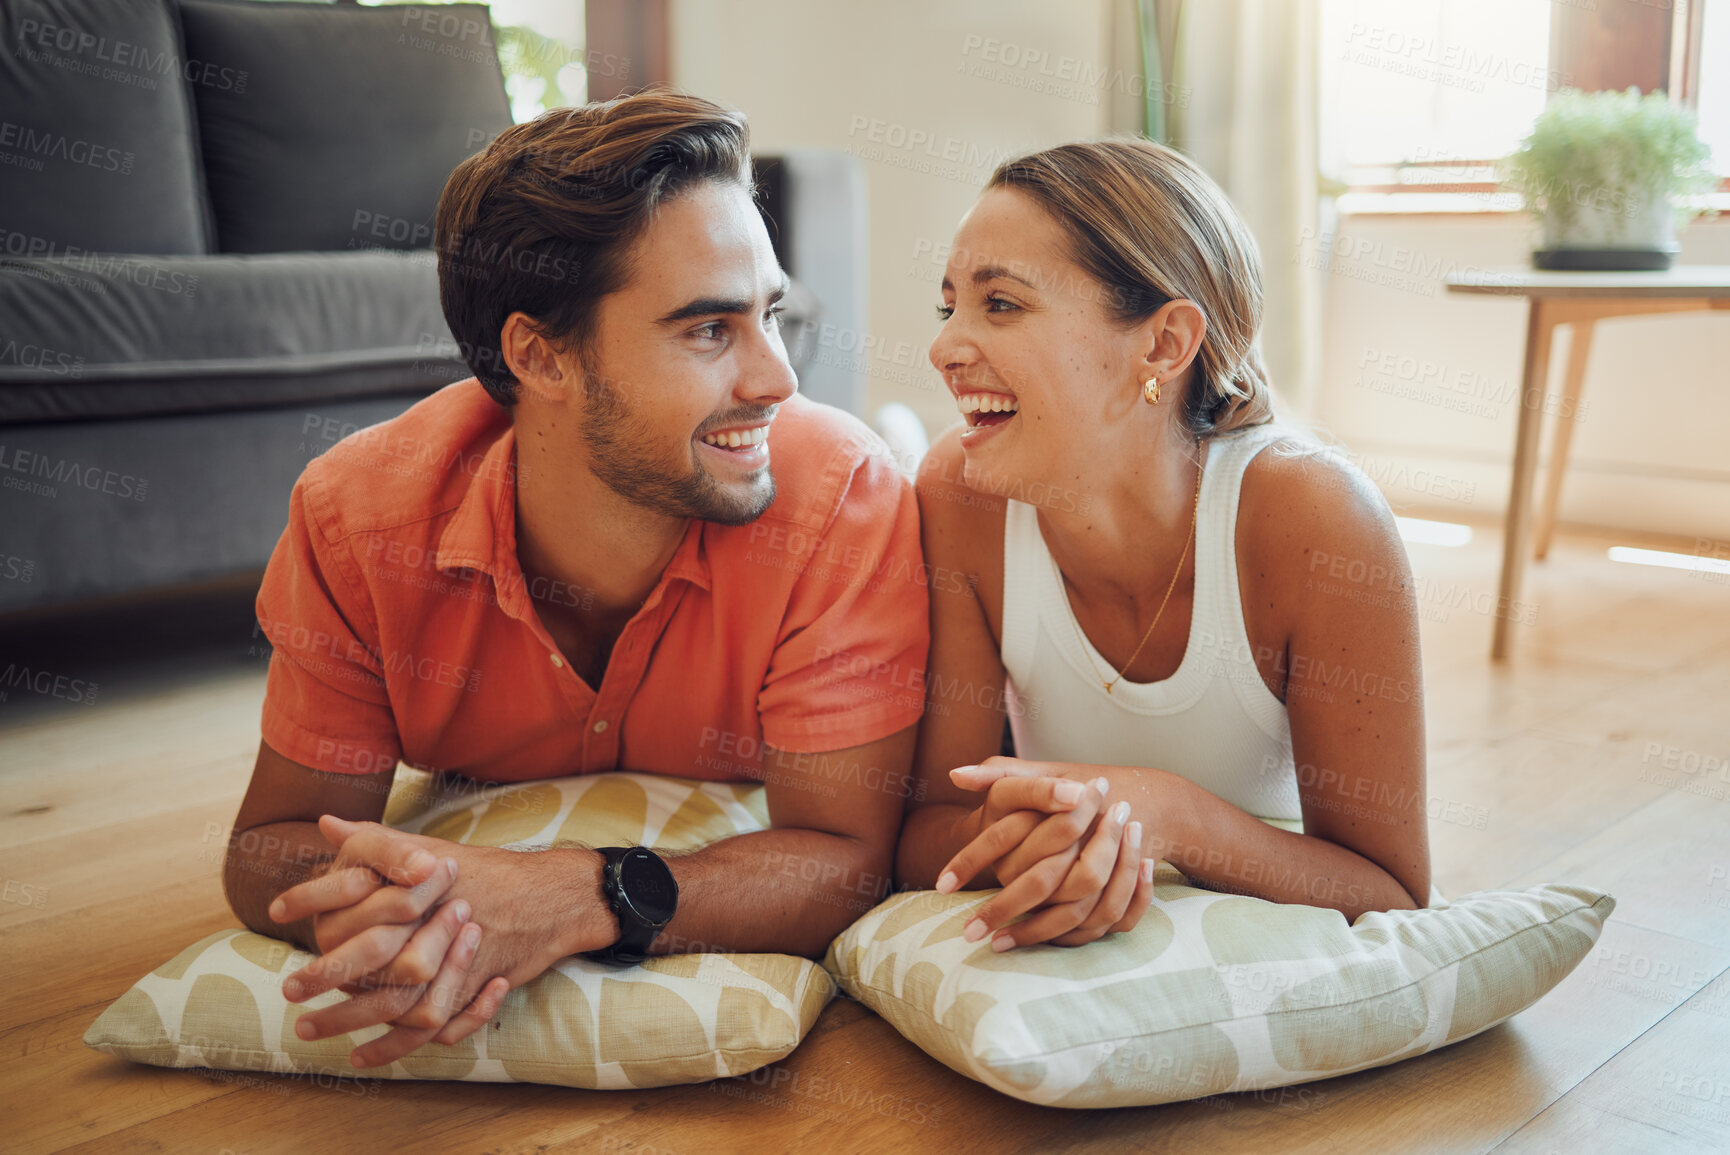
815, 773
1064, 77
34, 146
47, 684
1450, 65
1694, 772
760, 1085
931, 259
42, 358
27, 894
343, 655
391, 451
1437, 383
1376, 262
87, 54
68, 259
923, 151
27, 471
1364, 796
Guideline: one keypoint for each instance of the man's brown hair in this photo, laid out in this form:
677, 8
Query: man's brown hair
542, 220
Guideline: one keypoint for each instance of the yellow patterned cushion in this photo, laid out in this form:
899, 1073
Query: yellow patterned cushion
681, 1019
1211, 992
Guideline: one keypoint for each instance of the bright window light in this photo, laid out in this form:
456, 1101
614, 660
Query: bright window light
1417, 531
1669, 560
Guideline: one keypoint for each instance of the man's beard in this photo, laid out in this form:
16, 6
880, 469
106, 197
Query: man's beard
615, 438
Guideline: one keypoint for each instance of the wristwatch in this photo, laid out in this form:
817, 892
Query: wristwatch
643, 894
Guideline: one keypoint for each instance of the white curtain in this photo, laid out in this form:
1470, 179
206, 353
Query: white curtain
1241, 88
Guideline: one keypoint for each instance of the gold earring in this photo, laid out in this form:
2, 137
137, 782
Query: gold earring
1150, 391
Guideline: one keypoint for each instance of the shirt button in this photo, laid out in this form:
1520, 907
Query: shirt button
558, 662
601, 726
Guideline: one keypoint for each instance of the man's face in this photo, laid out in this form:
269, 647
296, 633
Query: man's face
687, 366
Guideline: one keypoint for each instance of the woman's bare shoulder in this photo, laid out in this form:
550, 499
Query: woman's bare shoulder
962, 527
1307, 514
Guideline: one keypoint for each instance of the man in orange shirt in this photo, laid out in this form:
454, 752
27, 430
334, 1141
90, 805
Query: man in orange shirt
582, 561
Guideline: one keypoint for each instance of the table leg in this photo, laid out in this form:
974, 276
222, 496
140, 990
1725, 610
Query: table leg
1517, 525
1573, 384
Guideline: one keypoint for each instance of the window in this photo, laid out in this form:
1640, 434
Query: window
540, 47
1419, 99
1713, 94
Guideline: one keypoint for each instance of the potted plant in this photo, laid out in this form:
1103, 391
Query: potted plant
1603, 171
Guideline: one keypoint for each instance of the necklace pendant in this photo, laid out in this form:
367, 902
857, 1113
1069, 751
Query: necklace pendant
1108, 689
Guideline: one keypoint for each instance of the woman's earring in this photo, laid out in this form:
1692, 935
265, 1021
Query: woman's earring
1150, 391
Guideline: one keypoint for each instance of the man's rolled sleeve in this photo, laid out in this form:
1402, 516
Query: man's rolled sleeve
325, 704
851, 667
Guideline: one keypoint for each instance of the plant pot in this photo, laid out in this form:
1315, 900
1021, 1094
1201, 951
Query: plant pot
1619, 229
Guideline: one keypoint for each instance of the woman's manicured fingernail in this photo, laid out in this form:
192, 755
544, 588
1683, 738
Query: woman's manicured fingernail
1103, 785
304, 1029
1068, 793
975, 930
1120, 813
278, 910
1133, 833
947, 882
964, 769
461, 910
1002, 943
291, 989
1147, 870
451, 867
472, 935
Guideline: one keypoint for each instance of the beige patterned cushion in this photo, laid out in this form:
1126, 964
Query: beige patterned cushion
681, 1019
1211, 992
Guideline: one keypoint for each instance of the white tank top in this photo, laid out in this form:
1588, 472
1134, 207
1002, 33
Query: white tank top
1213, 721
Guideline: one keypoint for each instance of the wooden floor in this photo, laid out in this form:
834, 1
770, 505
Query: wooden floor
1568, 764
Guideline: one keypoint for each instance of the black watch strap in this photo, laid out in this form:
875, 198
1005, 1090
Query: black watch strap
640, 890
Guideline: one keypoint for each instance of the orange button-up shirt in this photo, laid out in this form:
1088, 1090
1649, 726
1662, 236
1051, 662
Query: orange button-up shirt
403, 627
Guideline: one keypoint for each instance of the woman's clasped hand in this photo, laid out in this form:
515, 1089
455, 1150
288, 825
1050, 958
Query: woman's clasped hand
1059, 847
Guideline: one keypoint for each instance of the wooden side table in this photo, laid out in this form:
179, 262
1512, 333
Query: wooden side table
1580, 300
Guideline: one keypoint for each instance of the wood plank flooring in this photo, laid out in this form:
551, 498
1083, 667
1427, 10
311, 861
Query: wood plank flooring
1585, 759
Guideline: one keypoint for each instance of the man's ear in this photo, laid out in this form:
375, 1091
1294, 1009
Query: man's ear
533, 360
1174, 336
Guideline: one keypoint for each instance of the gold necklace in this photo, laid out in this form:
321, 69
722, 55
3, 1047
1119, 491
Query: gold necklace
1073, 621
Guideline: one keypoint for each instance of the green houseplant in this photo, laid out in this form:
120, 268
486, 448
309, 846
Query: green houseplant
1602, 171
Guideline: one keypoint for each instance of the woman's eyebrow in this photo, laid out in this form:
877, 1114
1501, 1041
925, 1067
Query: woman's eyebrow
991, 273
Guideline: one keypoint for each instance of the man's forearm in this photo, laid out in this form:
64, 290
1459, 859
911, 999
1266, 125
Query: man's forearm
265, 861
785, 891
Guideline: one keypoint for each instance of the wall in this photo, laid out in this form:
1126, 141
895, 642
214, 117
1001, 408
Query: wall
932, 96
908, 87
1422, 383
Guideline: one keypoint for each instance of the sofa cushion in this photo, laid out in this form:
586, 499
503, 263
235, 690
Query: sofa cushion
98, 149
350, 121
126, 336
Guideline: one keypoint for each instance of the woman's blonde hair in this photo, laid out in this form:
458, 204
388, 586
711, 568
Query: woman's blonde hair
1150, 226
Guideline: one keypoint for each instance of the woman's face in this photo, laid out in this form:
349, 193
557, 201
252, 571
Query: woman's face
1044, 377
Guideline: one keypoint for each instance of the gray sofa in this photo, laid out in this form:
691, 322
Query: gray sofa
214, 265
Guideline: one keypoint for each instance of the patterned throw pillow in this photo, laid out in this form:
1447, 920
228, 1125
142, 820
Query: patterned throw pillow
1211, 992
681, 1019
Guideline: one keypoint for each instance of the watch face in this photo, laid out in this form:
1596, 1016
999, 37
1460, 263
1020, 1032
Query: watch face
649, 887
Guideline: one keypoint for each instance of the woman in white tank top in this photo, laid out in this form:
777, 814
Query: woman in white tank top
1200, 628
